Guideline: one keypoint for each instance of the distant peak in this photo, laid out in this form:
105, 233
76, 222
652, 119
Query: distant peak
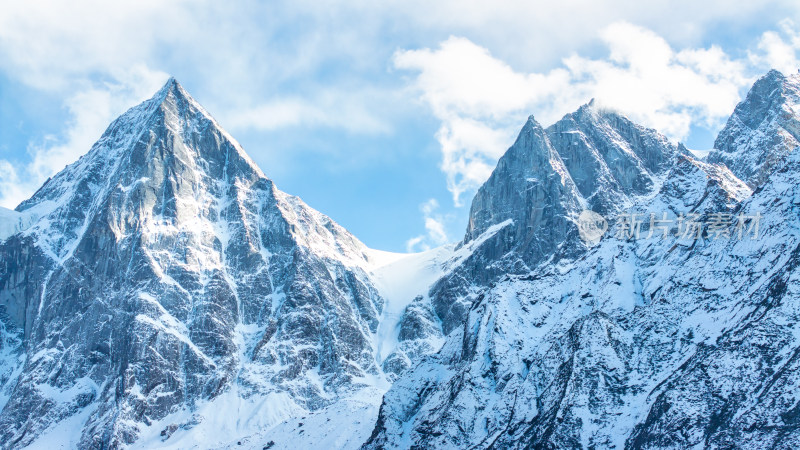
597, 109
589, 113
773, 84
601, 110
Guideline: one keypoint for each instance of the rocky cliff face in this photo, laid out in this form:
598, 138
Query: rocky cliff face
163, 269
659, 342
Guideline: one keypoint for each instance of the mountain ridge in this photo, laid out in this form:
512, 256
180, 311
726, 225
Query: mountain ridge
634, 343
182, 292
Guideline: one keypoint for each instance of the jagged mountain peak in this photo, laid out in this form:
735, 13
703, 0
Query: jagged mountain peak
600, 158
181, 112
588, 160
172, 85
530, 125
772, 91
610, 158
173, 92
521, 217
530, 161
595, 111
762, 130
173, 113
160, 155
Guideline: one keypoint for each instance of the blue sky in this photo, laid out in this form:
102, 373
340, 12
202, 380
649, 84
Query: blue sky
384, 115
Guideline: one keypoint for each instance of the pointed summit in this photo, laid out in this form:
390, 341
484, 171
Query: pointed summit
522, 216
168, 133
173, 92
609, 157
762, 130
172, 89
530, 186
171, 85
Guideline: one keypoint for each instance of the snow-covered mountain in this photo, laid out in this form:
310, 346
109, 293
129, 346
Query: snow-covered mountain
161, 292
165, 280
660, 342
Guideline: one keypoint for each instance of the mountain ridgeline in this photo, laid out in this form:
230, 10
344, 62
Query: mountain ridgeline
162, 292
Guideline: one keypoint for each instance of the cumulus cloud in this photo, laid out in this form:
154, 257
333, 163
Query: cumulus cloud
481, 101
435, 229
474, 95
778, 49
49, 44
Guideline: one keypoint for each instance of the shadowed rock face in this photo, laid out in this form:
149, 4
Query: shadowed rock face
531, 173
532, 197
163, 267
648, 343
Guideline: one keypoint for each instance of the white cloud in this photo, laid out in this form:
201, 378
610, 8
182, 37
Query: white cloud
436, 233
97, 57
778, 49
240, 55
469, 147
474, 95
461, 77
481, 101
50, 44
12, 189
534, 35
658, 86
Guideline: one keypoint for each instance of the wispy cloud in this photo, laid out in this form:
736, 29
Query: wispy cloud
329, 108
435, 229
778, 49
